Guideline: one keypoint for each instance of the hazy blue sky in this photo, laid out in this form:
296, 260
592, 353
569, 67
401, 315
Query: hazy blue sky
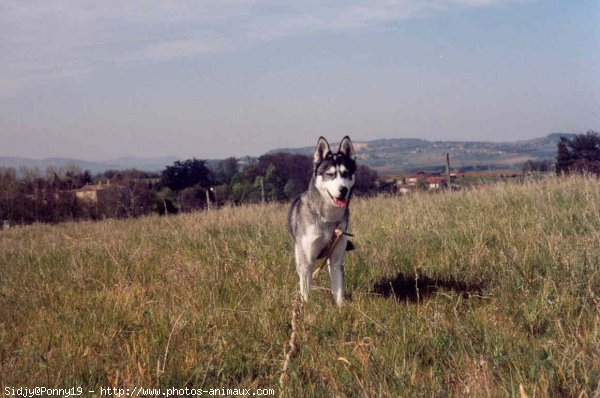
101, 79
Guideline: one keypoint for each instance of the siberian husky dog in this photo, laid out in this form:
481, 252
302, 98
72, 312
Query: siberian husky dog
317, 213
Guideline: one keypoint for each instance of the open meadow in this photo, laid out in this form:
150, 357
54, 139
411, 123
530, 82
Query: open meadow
486, 292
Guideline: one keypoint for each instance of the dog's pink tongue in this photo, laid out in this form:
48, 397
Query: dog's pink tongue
339, 202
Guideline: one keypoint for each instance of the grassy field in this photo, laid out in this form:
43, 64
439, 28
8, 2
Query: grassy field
488, 292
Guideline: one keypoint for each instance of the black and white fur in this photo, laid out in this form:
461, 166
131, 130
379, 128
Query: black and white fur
316, 213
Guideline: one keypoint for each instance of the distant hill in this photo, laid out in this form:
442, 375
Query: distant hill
388, 156
145, 164
406, 155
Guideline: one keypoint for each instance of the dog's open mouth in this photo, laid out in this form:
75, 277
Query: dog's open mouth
338, 202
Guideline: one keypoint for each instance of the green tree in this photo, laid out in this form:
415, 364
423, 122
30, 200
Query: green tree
365, 178
192, 198
563, 157
579, 154
186, 174
225, 170
586, 146
293, 188
165, 204
274, 183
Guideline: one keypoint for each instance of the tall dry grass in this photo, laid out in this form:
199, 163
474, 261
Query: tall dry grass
475, 293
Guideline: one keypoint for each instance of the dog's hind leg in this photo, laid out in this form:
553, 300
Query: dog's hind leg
303, 268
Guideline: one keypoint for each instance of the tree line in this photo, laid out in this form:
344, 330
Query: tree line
58, 195
579, 154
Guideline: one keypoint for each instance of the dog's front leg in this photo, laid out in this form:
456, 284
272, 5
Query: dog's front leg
336, 271
303, 268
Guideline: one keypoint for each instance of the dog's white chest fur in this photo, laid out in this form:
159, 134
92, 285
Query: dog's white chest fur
314, 240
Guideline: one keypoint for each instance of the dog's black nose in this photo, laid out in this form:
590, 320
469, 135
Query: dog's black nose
343, 192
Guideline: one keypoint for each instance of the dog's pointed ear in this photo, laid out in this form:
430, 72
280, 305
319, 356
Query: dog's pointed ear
321, 150
347, 148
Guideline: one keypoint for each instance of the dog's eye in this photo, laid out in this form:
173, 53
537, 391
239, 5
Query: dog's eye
330, 175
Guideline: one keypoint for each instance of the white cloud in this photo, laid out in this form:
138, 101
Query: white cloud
165, 50
43, 40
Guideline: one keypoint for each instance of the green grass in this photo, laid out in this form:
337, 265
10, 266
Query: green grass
475, 293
